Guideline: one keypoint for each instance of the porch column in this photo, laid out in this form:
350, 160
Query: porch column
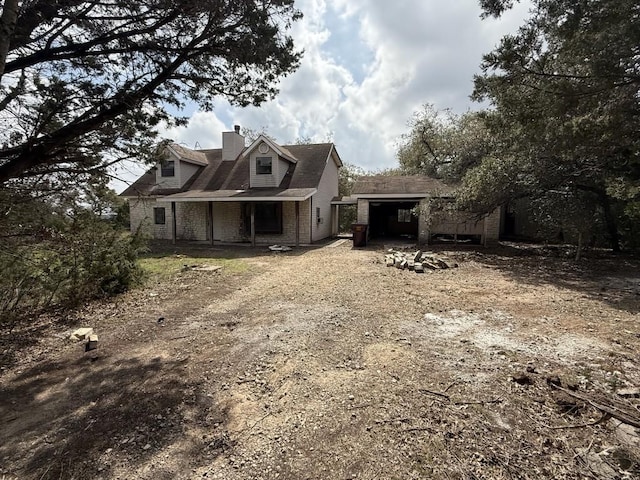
297, 224
173, 222
335, 220
253, 224
211, 223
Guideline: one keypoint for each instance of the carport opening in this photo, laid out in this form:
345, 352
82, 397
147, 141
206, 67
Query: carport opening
393, 220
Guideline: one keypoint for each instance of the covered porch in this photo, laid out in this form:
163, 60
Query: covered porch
264, 216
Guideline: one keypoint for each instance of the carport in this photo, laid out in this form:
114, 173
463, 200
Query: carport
392, 218
411, 207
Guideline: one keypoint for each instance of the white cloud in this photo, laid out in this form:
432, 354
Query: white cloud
367, 67
204, 130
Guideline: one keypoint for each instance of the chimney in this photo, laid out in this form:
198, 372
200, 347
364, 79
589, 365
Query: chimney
232, 144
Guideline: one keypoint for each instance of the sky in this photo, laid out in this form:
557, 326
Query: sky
368, 66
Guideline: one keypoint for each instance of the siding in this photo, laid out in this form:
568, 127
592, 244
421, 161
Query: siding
183, 172
187, 170
279, 169
327, 189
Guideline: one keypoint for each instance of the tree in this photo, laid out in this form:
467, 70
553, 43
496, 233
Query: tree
442, 144
83, 84
566, 109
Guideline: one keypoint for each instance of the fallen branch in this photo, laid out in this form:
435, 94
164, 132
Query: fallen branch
448, 398
605, 416
480, 402
431, 392
623, 416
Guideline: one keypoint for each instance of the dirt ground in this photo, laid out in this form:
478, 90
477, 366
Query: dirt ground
323, 363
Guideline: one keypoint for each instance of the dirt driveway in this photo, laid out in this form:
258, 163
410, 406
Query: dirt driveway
325, 364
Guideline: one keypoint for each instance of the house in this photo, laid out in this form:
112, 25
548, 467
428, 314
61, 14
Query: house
264, 193
417, 207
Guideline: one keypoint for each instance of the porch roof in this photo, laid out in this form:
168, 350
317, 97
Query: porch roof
398, 186
344, 201
252, 195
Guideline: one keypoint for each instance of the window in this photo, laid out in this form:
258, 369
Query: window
404, 215
268, 218
168, 168
263, 165
158, 215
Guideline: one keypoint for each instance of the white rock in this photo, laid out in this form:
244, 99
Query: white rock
81, 333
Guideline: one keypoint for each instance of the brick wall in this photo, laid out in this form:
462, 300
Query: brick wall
191, 220
141, 214
492, 226
363, 211
288, 236
423, 221
227, 222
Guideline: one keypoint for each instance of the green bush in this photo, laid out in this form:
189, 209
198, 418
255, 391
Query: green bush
77, 260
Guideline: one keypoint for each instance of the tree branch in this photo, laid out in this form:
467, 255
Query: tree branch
26, 157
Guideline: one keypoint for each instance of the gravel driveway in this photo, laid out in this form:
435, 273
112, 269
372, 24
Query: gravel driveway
323, 363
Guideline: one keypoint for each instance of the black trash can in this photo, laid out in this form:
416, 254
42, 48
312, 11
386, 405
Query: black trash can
359, 231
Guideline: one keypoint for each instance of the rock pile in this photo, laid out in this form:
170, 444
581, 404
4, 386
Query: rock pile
418, 261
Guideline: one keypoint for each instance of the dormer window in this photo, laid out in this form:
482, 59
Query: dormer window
168, 168
263, 166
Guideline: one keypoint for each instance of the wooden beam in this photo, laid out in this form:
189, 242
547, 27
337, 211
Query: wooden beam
211, 223
253, 224
173, 223
297, 224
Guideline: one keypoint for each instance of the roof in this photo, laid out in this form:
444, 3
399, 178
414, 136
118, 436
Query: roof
230, 179
279, 149
188, 155
400, 186
255, 194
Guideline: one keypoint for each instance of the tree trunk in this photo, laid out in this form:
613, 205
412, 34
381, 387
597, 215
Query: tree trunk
7, 27
609, 216
610, 221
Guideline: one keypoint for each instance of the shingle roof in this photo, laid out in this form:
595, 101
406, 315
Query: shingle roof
400, 185
234, 175
193, 156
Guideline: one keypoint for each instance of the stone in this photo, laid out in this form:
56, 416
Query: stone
629, 392
81, 333
522, 379
418, 268
92, 344
417, 256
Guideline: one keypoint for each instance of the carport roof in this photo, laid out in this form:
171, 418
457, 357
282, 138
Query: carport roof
400, 186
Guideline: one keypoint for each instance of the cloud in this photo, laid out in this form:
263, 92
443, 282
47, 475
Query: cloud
204, 130
367, 67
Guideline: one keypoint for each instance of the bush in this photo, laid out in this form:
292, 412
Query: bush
77, 260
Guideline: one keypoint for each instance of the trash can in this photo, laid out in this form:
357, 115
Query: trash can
359, 231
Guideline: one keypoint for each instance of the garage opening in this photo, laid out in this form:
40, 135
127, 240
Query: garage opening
393, 220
